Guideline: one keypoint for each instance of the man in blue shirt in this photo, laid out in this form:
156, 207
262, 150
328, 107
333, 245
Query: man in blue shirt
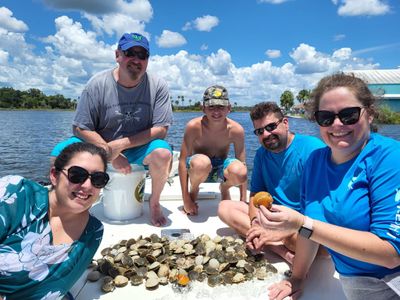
278, 166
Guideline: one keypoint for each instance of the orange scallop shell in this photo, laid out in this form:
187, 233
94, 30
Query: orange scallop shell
263, 198
183, 280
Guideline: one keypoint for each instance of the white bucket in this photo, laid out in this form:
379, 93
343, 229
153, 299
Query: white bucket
123, 195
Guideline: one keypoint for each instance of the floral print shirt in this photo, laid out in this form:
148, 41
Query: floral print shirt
31, 267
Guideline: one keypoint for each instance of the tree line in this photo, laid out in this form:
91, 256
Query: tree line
36, 99
33, 99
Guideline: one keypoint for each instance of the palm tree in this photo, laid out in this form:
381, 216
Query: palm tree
182, 99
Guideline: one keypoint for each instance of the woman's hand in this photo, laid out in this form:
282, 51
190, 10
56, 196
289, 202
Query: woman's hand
281, 290
281, 220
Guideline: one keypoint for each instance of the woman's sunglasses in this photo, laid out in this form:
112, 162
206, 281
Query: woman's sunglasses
142, 55
77, 175
348, 116
269, 127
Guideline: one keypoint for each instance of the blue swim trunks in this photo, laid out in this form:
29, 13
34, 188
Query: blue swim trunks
134, 155
218, 167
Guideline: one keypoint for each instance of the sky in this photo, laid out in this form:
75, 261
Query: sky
257, 49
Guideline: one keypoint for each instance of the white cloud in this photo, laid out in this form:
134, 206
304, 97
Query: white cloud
271, 53
136, 9
204, 23
70, 57
72, 54
117, 24
203, 47
128, 17
219, 63
189, 75
73, 41
187, 26
9, 23
377, 48
342, 54
308, 60
14, 43
170, 39
361, 8
339, 37
111, 17
4, 57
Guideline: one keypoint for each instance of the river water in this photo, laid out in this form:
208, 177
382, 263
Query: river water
27, 138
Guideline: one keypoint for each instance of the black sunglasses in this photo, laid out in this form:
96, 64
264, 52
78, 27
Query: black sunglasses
348, 116
142, 55
269, 127
77, 174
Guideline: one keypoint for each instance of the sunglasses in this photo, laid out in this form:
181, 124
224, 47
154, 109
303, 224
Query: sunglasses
269, 127
77, 175
348, 116
142, 55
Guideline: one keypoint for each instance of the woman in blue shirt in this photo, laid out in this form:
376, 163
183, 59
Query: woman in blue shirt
350, 197
48, 237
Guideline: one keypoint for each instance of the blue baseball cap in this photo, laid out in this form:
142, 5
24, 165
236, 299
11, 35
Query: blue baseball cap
129, 40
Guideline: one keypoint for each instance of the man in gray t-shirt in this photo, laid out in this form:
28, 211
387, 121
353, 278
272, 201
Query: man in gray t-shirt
128, 111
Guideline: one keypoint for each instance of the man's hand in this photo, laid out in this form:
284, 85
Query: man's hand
284, 288
114, 150
257, 237
122, 165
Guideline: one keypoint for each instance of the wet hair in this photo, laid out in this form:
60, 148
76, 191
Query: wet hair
356, 85
262, 109
70, 151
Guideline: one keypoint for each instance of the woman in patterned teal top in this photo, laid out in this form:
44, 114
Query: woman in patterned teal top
48, 237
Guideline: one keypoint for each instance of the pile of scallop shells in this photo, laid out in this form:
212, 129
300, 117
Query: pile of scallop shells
158, 261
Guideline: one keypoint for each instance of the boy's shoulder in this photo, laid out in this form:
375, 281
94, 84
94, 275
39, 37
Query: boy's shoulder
231, 121
194, 121
194, 124
234, 125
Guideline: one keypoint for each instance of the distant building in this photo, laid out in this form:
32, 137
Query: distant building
385, 84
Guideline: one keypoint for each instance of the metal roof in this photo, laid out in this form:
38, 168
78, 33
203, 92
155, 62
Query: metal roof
391, 76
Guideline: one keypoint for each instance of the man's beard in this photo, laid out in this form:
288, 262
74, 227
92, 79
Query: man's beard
133, 71
272, 146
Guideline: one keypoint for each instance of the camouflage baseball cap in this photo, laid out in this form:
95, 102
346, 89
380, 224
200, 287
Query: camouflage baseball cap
216, 95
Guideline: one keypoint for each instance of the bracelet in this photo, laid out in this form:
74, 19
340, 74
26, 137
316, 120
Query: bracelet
252, 219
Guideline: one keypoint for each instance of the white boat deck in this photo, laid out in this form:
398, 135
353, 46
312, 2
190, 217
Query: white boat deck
322, 282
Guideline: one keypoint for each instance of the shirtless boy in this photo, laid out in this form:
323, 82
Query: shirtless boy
205, 148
